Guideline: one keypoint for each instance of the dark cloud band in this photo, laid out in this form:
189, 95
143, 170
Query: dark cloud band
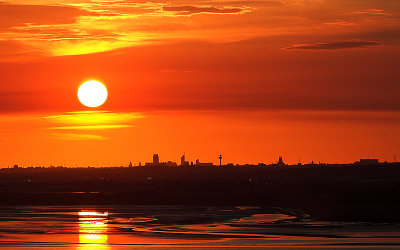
334, 45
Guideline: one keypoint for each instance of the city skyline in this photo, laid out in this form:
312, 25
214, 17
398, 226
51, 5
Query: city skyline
184, 162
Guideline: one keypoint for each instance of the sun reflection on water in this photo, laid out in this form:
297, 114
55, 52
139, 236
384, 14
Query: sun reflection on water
93, 230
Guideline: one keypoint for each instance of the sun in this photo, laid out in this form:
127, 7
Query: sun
92, 93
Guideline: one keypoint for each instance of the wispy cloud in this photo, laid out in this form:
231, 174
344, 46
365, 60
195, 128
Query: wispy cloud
340, 23
78, 137
90, 121
19, 14
92, 127
245, 2
94, 118
372, 12
119, 8
190, 10
334, 45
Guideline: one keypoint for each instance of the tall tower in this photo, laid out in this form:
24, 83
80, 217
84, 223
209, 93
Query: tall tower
183, 160
156, 159
220, 160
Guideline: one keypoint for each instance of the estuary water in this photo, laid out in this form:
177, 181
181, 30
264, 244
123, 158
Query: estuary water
171, 227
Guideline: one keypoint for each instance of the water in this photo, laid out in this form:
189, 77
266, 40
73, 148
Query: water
170, 227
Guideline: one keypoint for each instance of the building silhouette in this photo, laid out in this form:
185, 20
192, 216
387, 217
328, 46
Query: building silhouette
156, 162
168, 164
280, 162
364, 162
156, 159
183, 161
203, 164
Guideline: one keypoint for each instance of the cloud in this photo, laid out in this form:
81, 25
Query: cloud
334, 45
79, 137
119, 8
12, 15
190, 10
247, 3
372, 12
90, 121
340, 23
94, 118
91, 127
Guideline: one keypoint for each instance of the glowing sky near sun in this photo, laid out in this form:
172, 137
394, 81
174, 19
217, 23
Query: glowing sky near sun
248, 79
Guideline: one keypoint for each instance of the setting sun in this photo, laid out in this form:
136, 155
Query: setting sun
92, 94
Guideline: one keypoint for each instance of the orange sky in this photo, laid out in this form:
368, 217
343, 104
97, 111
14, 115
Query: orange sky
252, 80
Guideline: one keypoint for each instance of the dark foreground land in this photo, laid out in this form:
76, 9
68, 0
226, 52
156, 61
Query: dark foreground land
346, 193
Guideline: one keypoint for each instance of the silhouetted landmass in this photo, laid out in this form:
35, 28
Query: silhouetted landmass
327, 192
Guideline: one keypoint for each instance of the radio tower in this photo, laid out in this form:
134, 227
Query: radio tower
220, 160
